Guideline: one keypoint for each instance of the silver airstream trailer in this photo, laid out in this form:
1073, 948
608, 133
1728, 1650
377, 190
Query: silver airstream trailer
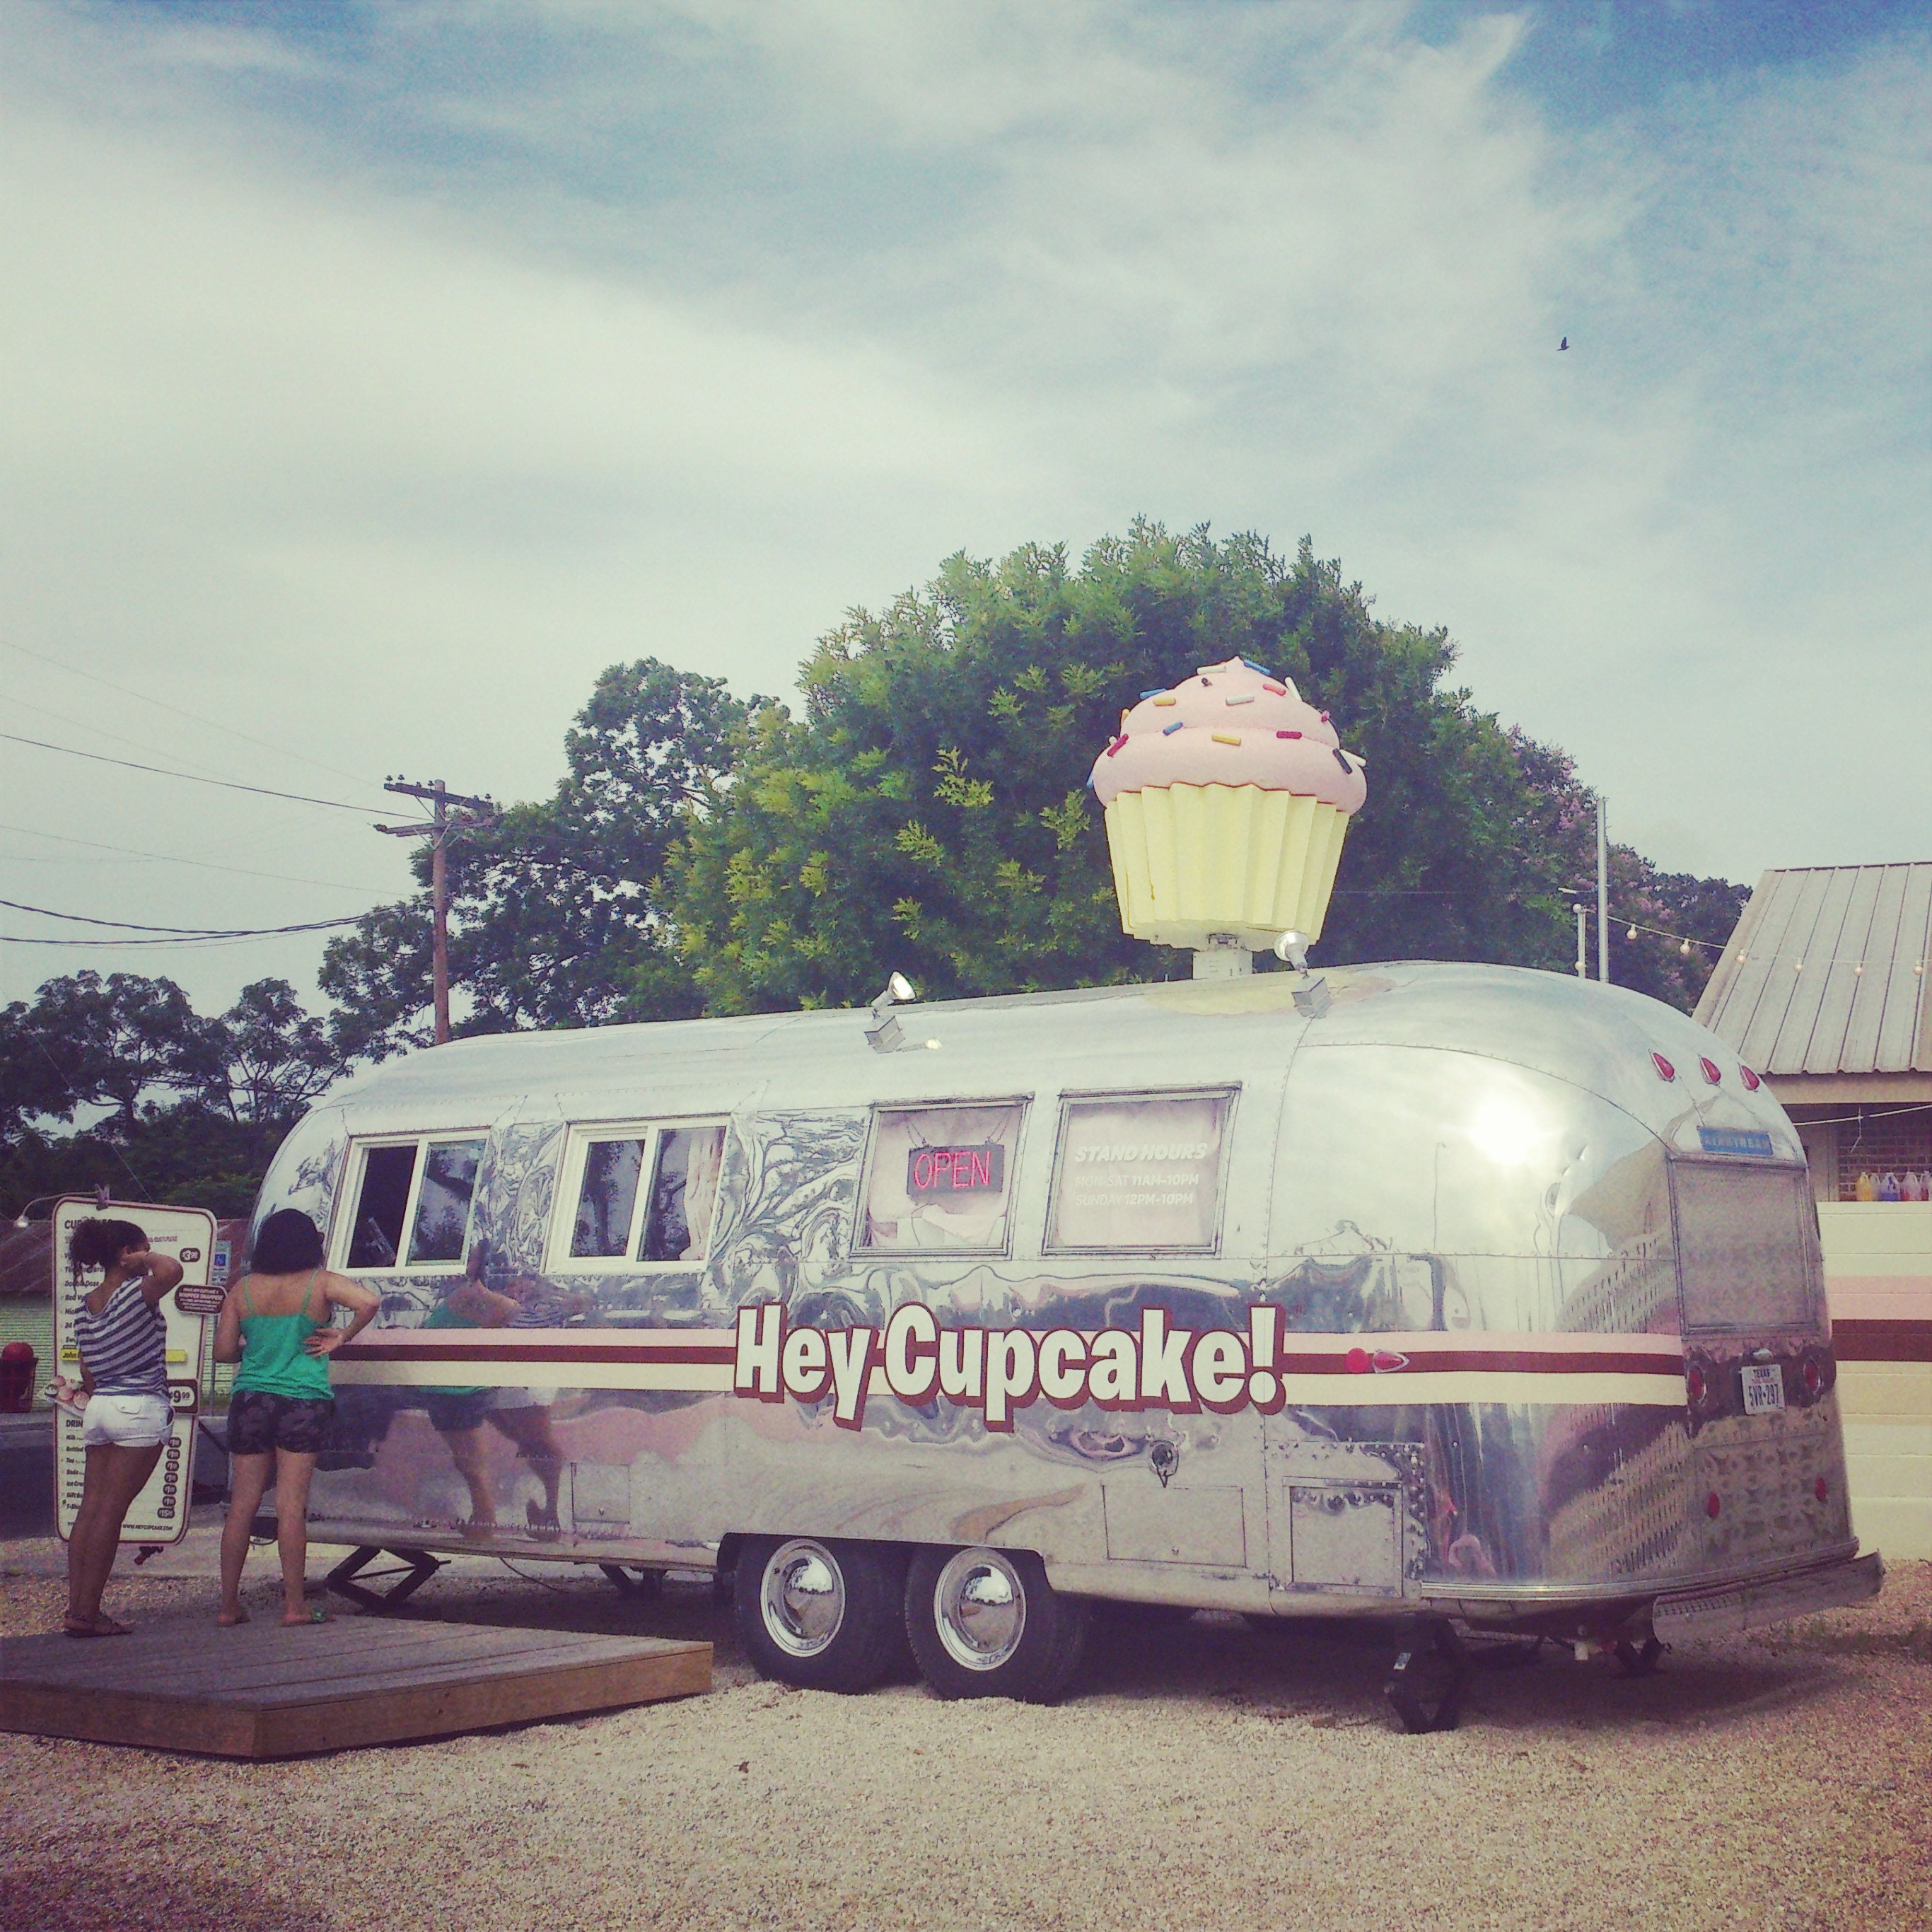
1461, 1294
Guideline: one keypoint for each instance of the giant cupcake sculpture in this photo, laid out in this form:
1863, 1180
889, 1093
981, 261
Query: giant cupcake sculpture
1227, 800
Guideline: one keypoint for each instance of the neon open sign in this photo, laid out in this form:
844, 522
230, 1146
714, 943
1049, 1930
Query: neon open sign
942, 1172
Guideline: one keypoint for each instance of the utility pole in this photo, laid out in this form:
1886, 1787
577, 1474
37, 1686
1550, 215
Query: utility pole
468, 814
1603, 897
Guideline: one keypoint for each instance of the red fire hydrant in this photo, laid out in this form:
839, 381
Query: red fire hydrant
18, 1362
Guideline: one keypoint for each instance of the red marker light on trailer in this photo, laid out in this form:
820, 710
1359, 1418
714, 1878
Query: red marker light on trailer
1360, 1361
1821, 1488
1693, 1385
1713, 1503
1665, 1071
1711, 1072
1814, 1378
1751, 1079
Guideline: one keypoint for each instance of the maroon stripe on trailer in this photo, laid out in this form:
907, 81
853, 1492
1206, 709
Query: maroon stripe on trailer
710, 1356
1471, 1361
1864, 1338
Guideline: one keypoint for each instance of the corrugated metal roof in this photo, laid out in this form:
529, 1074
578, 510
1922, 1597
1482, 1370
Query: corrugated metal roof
1827, 973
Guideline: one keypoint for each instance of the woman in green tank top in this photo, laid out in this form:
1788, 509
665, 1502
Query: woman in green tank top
277, 1323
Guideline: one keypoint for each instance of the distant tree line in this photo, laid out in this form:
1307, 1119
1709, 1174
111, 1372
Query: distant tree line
924, 809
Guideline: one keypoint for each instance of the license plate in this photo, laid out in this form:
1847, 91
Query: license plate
1764, 1388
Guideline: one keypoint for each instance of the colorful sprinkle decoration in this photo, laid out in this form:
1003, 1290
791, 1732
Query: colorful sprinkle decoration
1116, 744
1288, 734
1227, 737
1344, 764
1156, 692
1168, 731
1248, 700
1159, 701
1279, 690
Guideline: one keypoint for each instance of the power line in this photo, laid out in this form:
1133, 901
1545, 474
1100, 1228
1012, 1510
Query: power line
227, 784
188, 940
182, 711
166, 858
195, 931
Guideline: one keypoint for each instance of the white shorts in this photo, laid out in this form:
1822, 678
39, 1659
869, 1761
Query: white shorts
127, 1422
512, 1397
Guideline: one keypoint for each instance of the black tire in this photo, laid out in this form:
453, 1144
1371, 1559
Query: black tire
823, 1614
1426, 1681
986, 1623
1638, 1659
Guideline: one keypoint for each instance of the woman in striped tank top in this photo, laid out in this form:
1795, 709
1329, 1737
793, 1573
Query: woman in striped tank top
122, 1337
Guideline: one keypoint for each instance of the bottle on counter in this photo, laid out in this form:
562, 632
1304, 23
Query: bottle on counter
1865, 1189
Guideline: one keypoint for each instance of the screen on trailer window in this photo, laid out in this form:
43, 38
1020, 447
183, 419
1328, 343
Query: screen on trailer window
1139, 1173
940, 1177
1744, 1237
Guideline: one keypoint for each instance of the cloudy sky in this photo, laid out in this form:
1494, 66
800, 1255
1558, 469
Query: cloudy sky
376, 374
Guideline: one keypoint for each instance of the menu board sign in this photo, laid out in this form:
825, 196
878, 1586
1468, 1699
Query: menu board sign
159, 1513
1142, 1174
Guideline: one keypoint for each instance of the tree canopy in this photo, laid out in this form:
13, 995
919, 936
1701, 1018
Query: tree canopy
928, 810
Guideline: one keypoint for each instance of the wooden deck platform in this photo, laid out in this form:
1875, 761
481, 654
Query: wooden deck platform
261, 1691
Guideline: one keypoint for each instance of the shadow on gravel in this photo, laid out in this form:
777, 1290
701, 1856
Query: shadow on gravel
79, 1896
1326, 1672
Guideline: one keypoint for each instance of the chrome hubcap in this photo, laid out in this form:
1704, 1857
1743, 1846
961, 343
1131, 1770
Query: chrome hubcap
804, 1597
979, 1607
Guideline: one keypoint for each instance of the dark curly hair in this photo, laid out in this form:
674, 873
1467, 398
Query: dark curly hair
99, 1243
287, 1241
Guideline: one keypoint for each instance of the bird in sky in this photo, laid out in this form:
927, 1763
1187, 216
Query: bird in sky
1564, 343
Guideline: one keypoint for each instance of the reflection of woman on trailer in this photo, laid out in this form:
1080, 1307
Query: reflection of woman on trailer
520, 1414
122, 1337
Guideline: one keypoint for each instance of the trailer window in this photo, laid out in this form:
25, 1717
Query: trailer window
941, 1177
426, 1186
1745, 1238
1138, 1173
640, 1194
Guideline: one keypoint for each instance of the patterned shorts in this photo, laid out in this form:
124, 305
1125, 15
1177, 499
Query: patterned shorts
258, 1422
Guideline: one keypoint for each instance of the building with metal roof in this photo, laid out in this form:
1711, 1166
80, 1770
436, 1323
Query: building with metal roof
1822, 986
1823, 989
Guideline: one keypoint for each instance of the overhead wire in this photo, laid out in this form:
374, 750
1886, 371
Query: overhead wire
183, 931
166, 858
182, 711
193, 778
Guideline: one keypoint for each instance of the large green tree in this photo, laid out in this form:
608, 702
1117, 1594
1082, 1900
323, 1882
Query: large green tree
555, 916
928, 810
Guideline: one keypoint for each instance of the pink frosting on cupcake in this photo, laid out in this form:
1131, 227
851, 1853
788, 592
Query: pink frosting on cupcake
1231, 724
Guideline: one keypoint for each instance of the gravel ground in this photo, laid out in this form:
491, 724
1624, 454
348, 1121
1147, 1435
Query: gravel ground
1203, 1775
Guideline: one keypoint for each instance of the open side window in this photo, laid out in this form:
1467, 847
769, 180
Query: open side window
412, 1202
1139, 1173
637, 1194
941, 1177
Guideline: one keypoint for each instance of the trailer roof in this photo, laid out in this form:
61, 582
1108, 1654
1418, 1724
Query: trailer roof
1157, 1035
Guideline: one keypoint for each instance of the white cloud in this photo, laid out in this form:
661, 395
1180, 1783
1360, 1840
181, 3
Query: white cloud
386, 386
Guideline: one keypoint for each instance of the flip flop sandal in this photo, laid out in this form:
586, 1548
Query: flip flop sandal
315, 1616
101, 1627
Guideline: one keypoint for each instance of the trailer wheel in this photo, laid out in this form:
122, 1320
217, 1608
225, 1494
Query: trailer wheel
1426, 1683
986, 1623
824, 1615
1639, 1660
